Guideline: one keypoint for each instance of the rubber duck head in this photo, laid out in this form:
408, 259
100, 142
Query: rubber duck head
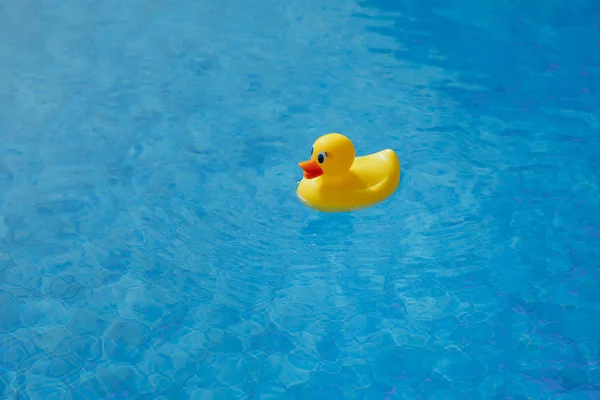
331, 154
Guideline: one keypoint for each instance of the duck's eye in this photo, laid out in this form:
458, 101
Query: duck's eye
321, 157
312, 149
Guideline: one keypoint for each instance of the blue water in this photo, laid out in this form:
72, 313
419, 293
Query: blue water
152, 246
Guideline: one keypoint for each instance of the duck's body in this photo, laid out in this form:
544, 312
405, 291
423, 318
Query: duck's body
336, 188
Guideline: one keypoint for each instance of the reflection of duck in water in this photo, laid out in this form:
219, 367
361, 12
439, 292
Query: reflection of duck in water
337, 181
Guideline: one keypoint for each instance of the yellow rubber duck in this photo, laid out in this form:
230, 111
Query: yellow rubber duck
337, 181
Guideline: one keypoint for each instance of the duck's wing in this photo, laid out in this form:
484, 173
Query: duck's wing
377, 166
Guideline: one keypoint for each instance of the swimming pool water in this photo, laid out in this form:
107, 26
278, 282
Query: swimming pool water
152, 246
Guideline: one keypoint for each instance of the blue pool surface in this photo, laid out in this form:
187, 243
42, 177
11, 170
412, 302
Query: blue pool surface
152, 245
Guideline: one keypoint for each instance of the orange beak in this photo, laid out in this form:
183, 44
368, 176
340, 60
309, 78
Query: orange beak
311, 169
